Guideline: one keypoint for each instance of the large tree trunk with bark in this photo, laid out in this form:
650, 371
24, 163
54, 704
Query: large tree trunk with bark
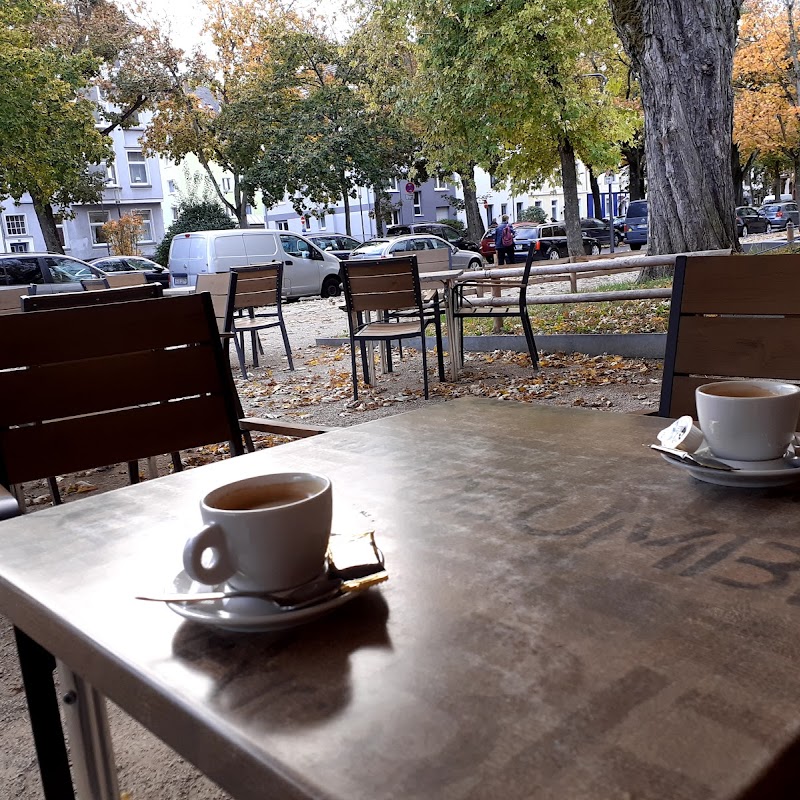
682, 52
346, 199
572, 213
475, 226
595, 187
47, 222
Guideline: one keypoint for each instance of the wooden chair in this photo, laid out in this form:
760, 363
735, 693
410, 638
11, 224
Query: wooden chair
518, 307
130, 380
218, 285
10, 302
49, 302
257, 286
730, 317
115, 280
386, 286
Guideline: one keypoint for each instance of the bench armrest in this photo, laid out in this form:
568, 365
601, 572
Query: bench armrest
9, 507
294, 429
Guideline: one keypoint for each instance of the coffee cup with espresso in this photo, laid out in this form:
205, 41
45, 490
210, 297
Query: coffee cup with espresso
749, 420
267, 533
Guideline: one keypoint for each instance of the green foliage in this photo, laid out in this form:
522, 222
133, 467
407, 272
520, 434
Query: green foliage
532, 214
455, 223
193, 216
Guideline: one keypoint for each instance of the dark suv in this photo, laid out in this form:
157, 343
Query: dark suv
435, 229
49, 272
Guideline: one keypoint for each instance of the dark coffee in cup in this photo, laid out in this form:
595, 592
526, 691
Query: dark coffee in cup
739, 389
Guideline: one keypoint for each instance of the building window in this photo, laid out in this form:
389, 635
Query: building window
554, 210
417, 204
172, 188
441, 183
503, 209
61, 231
137, 168
489, 213
111, 174
248, 209
395, 216
519, 210
16, 225
323, 223
492, 181
282, 225
19, 247
146, 214
96, 221
226, 184
393, 186
537, 203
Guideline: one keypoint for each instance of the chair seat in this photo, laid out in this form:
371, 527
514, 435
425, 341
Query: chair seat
389, 330
487, 311
256, 324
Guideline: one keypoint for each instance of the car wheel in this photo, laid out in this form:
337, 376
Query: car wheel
474, 263
553, 254
636, 246
744, 232
331, 287
595, 250
769, 227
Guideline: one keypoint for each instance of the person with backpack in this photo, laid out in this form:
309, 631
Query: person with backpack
504, 242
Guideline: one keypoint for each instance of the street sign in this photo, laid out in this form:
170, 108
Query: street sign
410, 188
610, 177
302, 220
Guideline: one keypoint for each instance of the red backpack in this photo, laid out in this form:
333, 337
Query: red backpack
507, 237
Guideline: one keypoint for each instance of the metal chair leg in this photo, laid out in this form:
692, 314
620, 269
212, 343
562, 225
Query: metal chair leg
37, 666
89, 738
286, 345
240, 355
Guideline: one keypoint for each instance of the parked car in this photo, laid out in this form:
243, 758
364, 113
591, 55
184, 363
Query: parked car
336, 244
600, 229
487, 246
49, 272
387, 247
154, 273
779, 214
307, 271
450, 235
636, 224
548, 241
750, 220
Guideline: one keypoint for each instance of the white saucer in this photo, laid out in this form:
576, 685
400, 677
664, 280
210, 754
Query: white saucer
250, 614
749, 475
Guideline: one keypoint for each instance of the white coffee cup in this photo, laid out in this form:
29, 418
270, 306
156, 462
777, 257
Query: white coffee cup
267, 533
751, 420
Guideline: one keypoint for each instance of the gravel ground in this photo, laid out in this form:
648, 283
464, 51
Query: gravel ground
319, 391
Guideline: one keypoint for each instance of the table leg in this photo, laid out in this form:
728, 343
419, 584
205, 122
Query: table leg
37, 666
89, 738
452, 335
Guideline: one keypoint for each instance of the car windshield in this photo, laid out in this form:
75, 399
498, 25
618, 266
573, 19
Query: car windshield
373, 248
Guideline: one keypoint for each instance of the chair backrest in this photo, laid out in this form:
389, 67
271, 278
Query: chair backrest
94, 284
384, 284
111, 384
117, 279
218, 285
10, 302
255, 286
434, 260
730, 317
49, 302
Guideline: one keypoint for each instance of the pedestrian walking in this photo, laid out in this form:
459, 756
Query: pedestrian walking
504, 242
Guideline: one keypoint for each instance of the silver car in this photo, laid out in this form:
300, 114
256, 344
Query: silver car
398, 245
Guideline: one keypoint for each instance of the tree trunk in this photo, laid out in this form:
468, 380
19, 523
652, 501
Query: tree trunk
737, 174
346, 199
572, 213
240, 202
47, 223
475, 226
683, 54
596, 200
633, 152
377, 212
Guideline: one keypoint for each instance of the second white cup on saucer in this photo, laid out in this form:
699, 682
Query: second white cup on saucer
751, 420
269, 533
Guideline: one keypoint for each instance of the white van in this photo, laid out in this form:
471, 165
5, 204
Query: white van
307, 270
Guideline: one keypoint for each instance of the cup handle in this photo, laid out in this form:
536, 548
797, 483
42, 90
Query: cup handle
210, 537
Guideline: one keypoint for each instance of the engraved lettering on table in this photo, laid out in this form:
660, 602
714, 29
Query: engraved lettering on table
691, 553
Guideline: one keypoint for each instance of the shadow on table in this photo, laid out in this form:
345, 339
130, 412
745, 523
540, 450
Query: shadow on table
289, 678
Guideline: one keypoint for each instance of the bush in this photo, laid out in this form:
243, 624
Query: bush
454, 223
532, 214
204, 215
